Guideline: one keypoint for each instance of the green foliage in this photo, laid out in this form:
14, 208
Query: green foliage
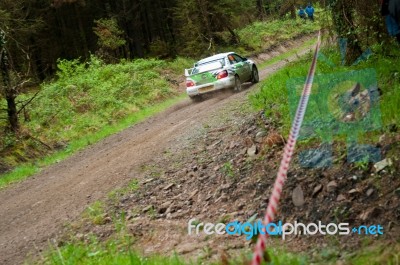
261, 35
388, 68
17, 174
95, 252
190, 36
253, 38
96, 213
88, 102
376, 254
205, 20
228, 169
118, 250
109, 34
28, 169
273, 94
361, 24
118, 193
362, 165
67, 68
159, 48
288, 54
281, 257
89, 95
178, 65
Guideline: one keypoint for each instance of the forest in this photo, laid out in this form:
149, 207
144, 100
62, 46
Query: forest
44, 31
38, 32
104, 158
42, 41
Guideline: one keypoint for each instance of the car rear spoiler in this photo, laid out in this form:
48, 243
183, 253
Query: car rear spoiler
204, 68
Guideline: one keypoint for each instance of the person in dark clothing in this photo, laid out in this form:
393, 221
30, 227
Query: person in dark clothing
390, 9
310, 11
302, 13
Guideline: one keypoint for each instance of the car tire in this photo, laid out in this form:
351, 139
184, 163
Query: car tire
254, 75
196, 98
238, 84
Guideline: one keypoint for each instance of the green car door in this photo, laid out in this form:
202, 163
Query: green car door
242, 68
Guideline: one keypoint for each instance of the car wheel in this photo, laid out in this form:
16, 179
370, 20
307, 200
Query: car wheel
238, 84
196, 98
254, 75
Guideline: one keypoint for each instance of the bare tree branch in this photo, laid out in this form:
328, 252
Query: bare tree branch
39, 141
28, 102
346, 18
22, 84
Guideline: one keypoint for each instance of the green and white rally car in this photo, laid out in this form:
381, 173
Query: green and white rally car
224, 70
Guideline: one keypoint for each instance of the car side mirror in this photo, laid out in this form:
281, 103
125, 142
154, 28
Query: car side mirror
188, 71
244, 59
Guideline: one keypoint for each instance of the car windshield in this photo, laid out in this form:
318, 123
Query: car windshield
208, 66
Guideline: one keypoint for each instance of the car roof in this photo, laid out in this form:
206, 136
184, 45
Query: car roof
213, 58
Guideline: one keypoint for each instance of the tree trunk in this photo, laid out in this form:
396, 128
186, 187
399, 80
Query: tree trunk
345, 28
293, 10
12, 113
234, 37
81, 30
261, 9
353, 46
7, 91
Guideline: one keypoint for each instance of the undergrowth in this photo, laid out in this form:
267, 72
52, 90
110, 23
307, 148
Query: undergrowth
273, 96
86, 103
263, 35
89, 95
95, 252
89, 99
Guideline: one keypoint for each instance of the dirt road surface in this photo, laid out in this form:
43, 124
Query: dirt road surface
32, 212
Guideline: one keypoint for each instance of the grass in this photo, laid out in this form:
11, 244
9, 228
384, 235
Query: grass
281, 257
25, 170
118, 193
371, 253
228, 170
84, 103
96, 213
94, 252
261, 35
288, 54
92, 100
118, 250
88, 96
273, 96
376, 255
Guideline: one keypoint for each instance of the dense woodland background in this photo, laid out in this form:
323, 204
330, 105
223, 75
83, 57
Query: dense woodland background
43, 30
62, 49
38, 32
